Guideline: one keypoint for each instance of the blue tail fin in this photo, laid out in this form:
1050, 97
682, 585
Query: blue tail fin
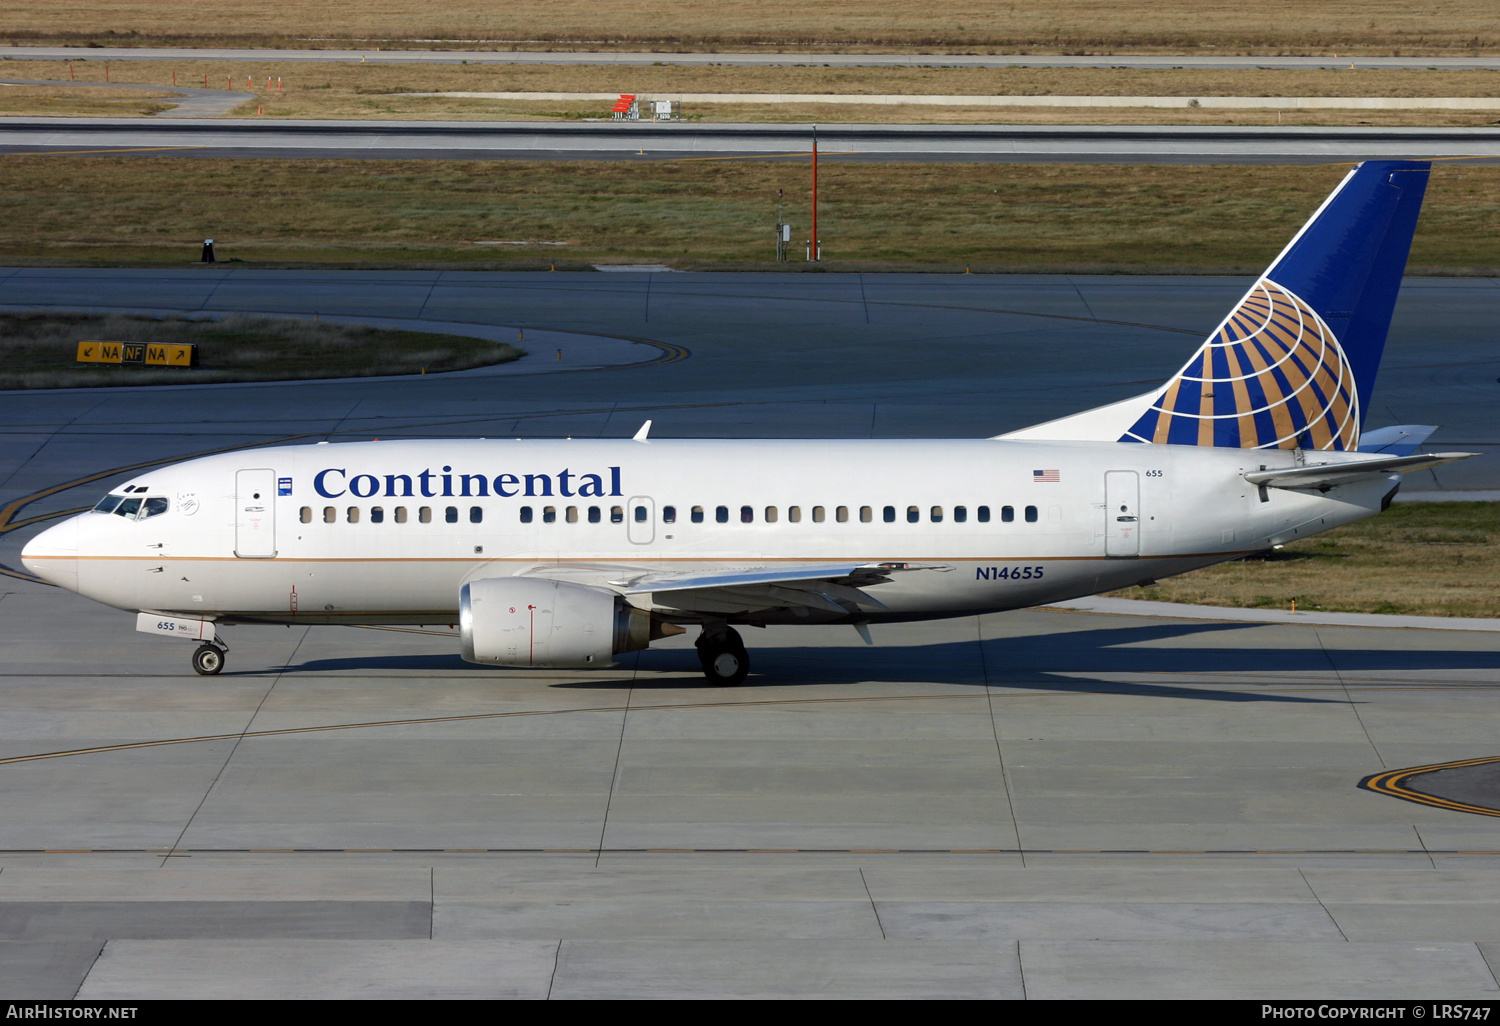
1293, 364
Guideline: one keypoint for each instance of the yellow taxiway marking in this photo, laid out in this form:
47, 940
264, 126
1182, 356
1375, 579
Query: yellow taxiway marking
113, 149
1393, 783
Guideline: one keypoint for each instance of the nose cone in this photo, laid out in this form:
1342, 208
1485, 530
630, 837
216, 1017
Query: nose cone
53, 555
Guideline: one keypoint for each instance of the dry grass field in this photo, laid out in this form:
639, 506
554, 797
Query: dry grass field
138, 211
1053, 26
398, 108
318, 81
38, 350
1426, 558
354, 79
68, 101
341, 90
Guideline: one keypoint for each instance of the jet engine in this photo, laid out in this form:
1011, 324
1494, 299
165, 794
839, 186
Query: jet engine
528, 621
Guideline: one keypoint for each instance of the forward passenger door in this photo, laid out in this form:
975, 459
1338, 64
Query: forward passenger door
255, 514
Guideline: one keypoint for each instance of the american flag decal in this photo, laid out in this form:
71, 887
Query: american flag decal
1045, 477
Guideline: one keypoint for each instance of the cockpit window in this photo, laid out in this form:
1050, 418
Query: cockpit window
107, 504
154, 505
128, 508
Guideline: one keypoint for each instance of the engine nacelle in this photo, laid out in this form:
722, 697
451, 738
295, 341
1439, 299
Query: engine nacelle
528, 621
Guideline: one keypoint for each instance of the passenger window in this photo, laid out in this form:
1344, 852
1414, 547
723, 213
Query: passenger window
794, 514
937, 514
450, 514
818, 514
377, 515
1007, 514
330, 515
306, 515
866, 515
525, 514
549, 514
616, 515
770, 514
721, 514
842, 514
960, 514
913, 514
640, 514
697, 514
128, 508
889, 514
669, 514
352, 515
400, 514
476, 514
572, 514
594, 515
1031, 514
747, 515
984, 514
424, 515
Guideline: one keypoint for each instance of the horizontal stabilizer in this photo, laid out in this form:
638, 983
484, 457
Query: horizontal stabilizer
1399, 440
1324, 476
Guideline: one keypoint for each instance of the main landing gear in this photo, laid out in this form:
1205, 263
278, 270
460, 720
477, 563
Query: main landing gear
209, 659
722, 655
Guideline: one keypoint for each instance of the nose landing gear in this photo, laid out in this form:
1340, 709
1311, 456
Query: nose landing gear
722, 654
209, 659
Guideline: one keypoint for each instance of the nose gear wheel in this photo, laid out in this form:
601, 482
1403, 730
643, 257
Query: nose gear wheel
208, 660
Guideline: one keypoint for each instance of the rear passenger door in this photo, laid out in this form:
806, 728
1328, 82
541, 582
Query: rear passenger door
1122, 514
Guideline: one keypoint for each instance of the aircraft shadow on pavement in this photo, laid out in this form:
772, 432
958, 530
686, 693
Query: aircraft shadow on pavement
1059, 661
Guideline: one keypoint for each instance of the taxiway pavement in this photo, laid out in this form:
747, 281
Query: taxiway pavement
1046, 803
647, 141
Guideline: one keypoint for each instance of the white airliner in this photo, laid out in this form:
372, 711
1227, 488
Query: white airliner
568, 553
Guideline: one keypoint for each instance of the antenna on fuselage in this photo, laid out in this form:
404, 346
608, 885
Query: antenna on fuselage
641, 435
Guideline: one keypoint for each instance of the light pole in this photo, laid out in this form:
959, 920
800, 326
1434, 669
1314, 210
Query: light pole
815, 246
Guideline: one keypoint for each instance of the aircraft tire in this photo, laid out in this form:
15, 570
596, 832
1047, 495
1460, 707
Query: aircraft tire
724, 665
208, 660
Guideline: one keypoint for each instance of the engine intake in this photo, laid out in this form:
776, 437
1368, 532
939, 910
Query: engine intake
528, 621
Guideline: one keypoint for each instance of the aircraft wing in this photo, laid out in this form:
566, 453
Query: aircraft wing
836, 588
1324, 476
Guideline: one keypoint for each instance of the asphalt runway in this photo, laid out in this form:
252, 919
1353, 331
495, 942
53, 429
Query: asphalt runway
458, 55
1039, 804
488, 140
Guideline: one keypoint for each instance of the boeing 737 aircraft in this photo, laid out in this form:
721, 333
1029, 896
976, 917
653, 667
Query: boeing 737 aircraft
554, 553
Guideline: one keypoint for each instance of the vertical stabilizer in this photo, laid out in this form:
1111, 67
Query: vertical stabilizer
1294, 363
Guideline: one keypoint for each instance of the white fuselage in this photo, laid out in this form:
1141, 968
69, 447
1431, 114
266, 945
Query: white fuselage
388, 532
